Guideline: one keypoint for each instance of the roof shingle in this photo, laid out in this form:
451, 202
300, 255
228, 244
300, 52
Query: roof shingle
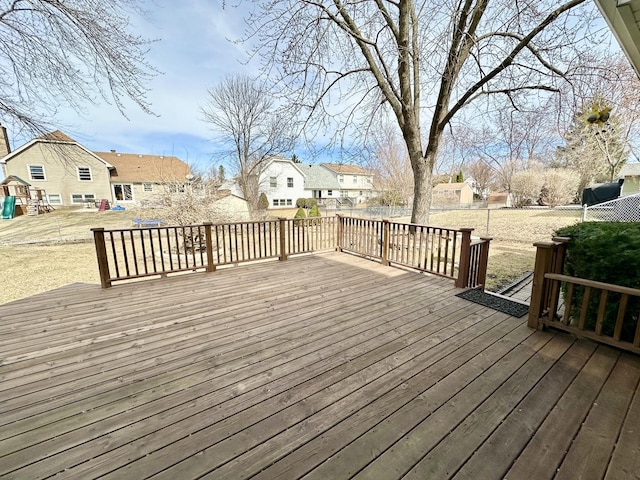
131, 167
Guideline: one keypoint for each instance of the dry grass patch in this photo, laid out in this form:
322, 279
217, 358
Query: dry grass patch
28, 270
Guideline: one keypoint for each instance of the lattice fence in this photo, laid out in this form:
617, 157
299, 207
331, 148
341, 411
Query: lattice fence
623, 209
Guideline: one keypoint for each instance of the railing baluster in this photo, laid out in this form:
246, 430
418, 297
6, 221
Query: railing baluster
601, 311
584, 308
622, 309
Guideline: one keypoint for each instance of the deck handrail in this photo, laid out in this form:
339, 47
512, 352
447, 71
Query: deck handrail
130, 253
599, 311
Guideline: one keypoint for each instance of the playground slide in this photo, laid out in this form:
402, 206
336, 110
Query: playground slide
9, 208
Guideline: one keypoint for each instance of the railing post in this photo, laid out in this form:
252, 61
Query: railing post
543, 265
465, 258
385, 242
101, 254
340, 232
283, 238
484, 260
211, 267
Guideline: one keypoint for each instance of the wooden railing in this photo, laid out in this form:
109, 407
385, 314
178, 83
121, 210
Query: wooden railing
126, 254
603, 312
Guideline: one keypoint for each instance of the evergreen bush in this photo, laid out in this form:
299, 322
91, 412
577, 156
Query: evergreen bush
306, 203
300, 213
314, 212
606, 252
263, 201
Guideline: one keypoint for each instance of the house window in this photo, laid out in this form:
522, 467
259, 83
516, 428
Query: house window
341, 178
176, 188
84, 174
360, 192
276, 202
36, 172
82, 197
289, 182
147, 187
123, 192
344, 193
355, 179
54, 199
273, 182
289, 202
283, 202
329, 193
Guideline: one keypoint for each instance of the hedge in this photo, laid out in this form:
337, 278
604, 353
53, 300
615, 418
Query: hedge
606, 252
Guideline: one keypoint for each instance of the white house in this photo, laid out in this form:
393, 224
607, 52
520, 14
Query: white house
282, 181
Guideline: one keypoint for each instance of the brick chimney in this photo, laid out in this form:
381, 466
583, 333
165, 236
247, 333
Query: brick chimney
5, 149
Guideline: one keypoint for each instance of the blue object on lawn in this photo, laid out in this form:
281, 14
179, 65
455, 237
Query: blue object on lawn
118, 208
147, 223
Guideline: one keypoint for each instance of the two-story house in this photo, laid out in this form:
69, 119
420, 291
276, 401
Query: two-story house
282, 181
72, 175
355, 182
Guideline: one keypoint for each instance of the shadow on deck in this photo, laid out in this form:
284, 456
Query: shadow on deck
326, 366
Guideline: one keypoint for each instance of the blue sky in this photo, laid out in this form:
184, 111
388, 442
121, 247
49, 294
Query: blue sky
193, 52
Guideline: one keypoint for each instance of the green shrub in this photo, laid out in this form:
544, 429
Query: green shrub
605, 252
306, 203
263, 202
300, 213
314, 212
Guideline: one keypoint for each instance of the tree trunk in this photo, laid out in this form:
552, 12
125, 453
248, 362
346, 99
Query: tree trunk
422, 192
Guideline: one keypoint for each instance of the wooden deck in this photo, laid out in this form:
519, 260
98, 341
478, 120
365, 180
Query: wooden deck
321, 367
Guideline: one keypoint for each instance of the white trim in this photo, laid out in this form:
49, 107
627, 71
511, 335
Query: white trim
44, 173
78, 167
115, 198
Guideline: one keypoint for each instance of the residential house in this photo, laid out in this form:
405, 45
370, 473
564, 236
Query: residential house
72, 175
355, 182
68, 172
630, 172
459, 194
282, 181
135, 178
320, 183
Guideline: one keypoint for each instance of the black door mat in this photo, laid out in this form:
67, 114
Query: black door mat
493, 301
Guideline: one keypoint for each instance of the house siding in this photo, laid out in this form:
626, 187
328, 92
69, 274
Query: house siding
60, 163
282, 170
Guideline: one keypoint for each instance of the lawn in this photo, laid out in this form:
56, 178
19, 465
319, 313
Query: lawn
62, 252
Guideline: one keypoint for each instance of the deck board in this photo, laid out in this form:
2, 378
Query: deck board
323, 366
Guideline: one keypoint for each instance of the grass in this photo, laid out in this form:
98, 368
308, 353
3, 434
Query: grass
48, 251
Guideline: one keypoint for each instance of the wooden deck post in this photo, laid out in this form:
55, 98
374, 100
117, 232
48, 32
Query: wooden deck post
211, 267
542, 266
101, 254
484, 260
340, 232
283, 238
385, 242
465, 258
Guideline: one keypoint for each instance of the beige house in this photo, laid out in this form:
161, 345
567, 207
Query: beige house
71, 175
355, 182
135, 178
452, 194
631, 174
68, 172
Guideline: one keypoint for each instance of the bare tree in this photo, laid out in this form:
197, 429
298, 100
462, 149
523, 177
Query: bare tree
390, 164
560, 187
338, 57
57, 53
526, 186
245, 115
